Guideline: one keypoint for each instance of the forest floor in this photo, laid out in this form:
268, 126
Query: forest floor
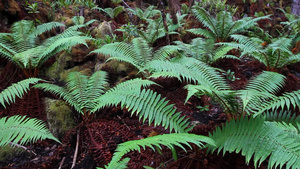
115, 125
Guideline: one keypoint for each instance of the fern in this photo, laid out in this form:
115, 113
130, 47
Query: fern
22, 130
28, 51
261, 89
139, 53
287, 100
146, 104
168, 140
221, 27
9, 94
145, 14
205, 50
40, 29
259, 139
111, 12
87, 96
274, 55
81, 91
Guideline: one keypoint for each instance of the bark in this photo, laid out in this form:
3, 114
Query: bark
296, 7
172, 6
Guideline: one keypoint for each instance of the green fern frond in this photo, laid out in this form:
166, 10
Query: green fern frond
160, 68
287, 100
205, 74
122, 164
225, 97
190, 70
223, 25
148, 105
23, 34
260, 139
165, 52
282, 116
40, 29
142, 50
6, 51
146, 13
168, 140
28, 51
22, 130
60, 45
246, 44
119, 51
261, 89
139, 53
132, 85
9, 94
96, 86
61, 92
205, 18
221, 52
267, 81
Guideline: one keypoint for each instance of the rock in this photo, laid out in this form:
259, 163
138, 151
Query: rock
13, 7
59, 117
7, 152
59, 66
103, 29
68, 21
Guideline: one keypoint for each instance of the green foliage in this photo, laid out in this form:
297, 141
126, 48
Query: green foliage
145, 14
205, 50
287, 101
139, 53
189, 70
87, 96
230, 75
68, 3
258, 96
81, 91
154, 31
9, 94
260, 138
275, 54
111, 12
80, 21
215, 6
168, 140
32, 8
221, 27
207, 80
145, 103
259, 90
22, 130
23, 46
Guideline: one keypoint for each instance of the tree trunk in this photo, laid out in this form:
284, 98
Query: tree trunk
296, 7
173, 6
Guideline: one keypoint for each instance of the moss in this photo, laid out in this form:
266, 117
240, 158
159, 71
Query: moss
103, 29
8, 152
64, 74
55, 69
59, 116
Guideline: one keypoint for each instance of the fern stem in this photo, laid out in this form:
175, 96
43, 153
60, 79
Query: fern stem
267, 60
223, 102
26, 73
278, 58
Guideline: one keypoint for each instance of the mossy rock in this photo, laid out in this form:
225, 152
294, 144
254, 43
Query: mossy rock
8, 151
59, 116
103, 29
59, 66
